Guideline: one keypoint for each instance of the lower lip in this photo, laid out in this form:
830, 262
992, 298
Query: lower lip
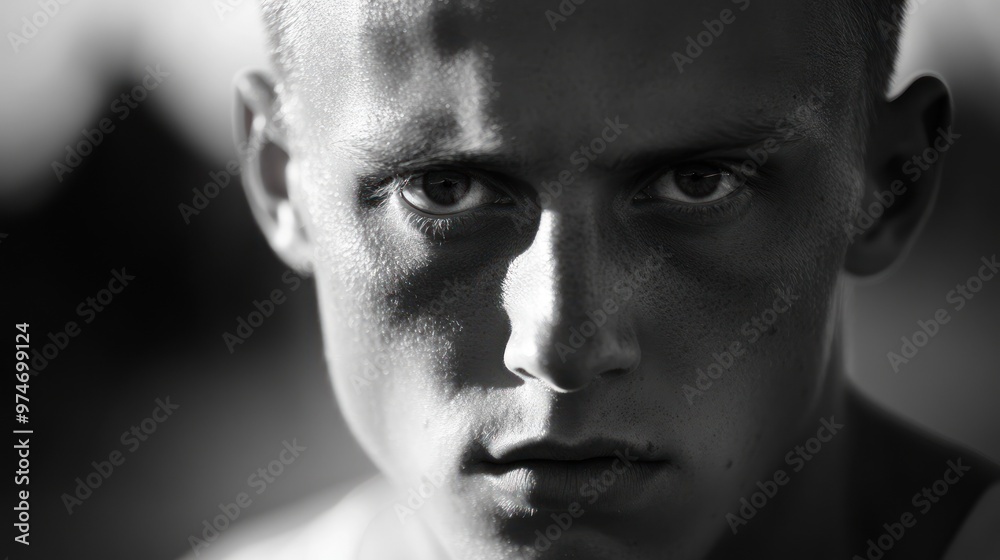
606, 484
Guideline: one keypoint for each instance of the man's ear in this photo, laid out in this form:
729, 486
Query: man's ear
906, 145
267, 169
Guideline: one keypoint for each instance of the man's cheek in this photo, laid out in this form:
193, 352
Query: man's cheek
387, 410
789, 366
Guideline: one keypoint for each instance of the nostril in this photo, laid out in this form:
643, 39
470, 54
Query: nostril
557, 381
616, 372
541, 361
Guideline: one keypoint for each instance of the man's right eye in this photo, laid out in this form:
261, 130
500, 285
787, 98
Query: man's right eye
443, 193
694, 184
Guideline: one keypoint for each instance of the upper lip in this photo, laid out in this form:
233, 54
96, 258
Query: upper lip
551, 450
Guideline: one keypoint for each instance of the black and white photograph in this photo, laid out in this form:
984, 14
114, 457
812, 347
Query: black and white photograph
502, 279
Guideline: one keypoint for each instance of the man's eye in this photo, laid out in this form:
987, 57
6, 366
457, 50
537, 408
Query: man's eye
446, 192
694, 184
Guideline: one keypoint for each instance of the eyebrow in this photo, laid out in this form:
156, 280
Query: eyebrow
415, 147
401, 160
423, 141
740, 134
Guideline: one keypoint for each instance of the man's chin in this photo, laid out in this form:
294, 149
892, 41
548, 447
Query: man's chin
550, 542
514, 533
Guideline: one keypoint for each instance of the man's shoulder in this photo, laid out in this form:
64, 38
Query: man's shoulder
978, 537
904, 475
328, 526
909, 454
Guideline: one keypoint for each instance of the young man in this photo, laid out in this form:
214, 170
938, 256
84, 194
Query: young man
581, 269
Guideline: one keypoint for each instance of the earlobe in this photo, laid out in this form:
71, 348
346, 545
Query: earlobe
907, 141
268, 170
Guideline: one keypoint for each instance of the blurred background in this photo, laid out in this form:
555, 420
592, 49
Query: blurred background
148, 84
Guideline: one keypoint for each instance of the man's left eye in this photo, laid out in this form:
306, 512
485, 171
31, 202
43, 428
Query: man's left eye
441, 193
695, 183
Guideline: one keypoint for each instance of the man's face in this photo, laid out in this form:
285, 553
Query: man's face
579, 256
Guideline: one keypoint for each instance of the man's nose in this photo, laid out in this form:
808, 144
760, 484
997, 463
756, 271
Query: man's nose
568, 325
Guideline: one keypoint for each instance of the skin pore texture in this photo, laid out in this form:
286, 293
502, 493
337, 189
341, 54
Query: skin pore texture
450, 339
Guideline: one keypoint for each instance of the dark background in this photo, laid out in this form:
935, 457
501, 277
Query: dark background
162, 337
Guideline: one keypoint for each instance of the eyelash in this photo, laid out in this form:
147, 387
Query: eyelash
437, 227
722, 209
380, 190
726, 207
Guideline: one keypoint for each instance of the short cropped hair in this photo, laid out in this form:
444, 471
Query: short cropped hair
877, 26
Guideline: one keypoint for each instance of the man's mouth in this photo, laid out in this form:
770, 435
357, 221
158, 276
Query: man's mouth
600, 474
554, 450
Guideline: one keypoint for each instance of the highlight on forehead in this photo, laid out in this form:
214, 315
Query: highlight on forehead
383, 61
390, 30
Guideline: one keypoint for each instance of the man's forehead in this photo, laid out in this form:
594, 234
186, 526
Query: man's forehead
430, 77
